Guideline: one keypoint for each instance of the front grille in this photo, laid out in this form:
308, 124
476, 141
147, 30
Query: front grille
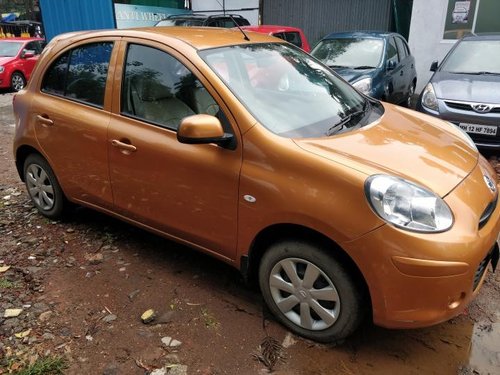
487, 213
480, 270
468, 107
461, 106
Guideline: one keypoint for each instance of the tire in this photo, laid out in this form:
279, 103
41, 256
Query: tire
17, 81
43, 187
297, 306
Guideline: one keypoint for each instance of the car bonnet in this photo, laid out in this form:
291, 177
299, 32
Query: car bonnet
402, 143
467, 87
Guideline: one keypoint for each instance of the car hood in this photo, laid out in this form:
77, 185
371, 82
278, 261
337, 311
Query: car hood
6, 60
402, 143
467, 87
352, 75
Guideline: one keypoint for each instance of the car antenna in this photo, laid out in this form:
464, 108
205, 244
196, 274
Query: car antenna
245, 36
239, 28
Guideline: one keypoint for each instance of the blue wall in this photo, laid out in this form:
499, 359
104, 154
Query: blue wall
62, 16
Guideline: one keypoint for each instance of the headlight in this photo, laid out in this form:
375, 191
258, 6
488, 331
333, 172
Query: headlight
2, 69
407, 205
364, 85
429, 99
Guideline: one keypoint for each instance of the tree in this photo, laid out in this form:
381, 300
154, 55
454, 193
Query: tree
26, 8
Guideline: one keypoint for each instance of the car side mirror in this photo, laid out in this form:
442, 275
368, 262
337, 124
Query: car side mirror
203, 129
391, 65
434, 66
27, 54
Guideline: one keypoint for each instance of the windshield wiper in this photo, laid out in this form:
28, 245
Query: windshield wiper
338, 66
478, 73
340, 125
488, 73
364, 67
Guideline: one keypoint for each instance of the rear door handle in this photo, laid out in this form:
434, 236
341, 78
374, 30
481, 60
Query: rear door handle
45, 120
124, 146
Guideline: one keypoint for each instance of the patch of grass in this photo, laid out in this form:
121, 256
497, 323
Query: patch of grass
209, 319
6, 284
46, 366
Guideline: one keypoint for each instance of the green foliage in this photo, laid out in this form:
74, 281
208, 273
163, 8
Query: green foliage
6, 284
46, 366
209, 319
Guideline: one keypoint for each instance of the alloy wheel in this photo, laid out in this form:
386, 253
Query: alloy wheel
17, 82
40, 187
304, 294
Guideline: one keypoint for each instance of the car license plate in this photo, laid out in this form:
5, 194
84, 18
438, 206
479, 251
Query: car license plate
479, 129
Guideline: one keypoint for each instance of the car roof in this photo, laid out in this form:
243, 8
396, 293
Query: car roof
270, 28
485, 36
197, 37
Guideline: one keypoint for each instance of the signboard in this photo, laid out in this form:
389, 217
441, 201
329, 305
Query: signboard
459, 18
142, 16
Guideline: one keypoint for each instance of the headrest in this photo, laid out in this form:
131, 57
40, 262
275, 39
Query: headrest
149, 90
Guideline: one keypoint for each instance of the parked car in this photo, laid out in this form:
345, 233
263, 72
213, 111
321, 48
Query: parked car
18, 57
217, 20
465, 89
292, 35
378, 64
255, 153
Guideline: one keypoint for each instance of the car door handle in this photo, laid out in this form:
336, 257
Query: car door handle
45, 120
124, 146
401, 73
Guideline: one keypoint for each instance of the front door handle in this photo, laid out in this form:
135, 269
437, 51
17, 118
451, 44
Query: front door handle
45, 120
124, 146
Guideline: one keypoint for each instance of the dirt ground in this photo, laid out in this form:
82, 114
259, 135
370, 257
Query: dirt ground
83, 284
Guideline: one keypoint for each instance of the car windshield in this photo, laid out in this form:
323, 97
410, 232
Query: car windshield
474, 57
181, 22
350, 52
10, 49
287, 91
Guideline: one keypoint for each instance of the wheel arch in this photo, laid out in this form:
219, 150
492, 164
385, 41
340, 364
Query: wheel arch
20, 72
278, 232
21, 154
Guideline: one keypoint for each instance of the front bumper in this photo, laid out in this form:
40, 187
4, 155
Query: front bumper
417, 279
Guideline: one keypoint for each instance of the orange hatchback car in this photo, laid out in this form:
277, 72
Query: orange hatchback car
247, 148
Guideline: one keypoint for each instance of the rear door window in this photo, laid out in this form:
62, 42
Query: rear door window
80, 74
403, 52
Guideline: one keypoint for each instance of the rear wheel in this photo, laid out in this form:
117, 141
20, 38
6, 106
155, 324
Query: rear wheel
43, 187
17, 81
310, 292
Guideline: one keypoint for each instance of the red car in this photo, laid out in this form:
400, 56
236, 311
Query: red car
18, 57
292, 35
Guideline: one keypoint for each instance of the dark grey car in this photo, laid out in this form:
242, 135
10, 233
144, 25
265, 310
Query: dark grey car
465, 89
378, 64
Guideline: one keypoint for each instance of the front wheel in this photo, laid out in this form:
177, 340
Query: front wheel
43, 187
17, 81
310, 292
